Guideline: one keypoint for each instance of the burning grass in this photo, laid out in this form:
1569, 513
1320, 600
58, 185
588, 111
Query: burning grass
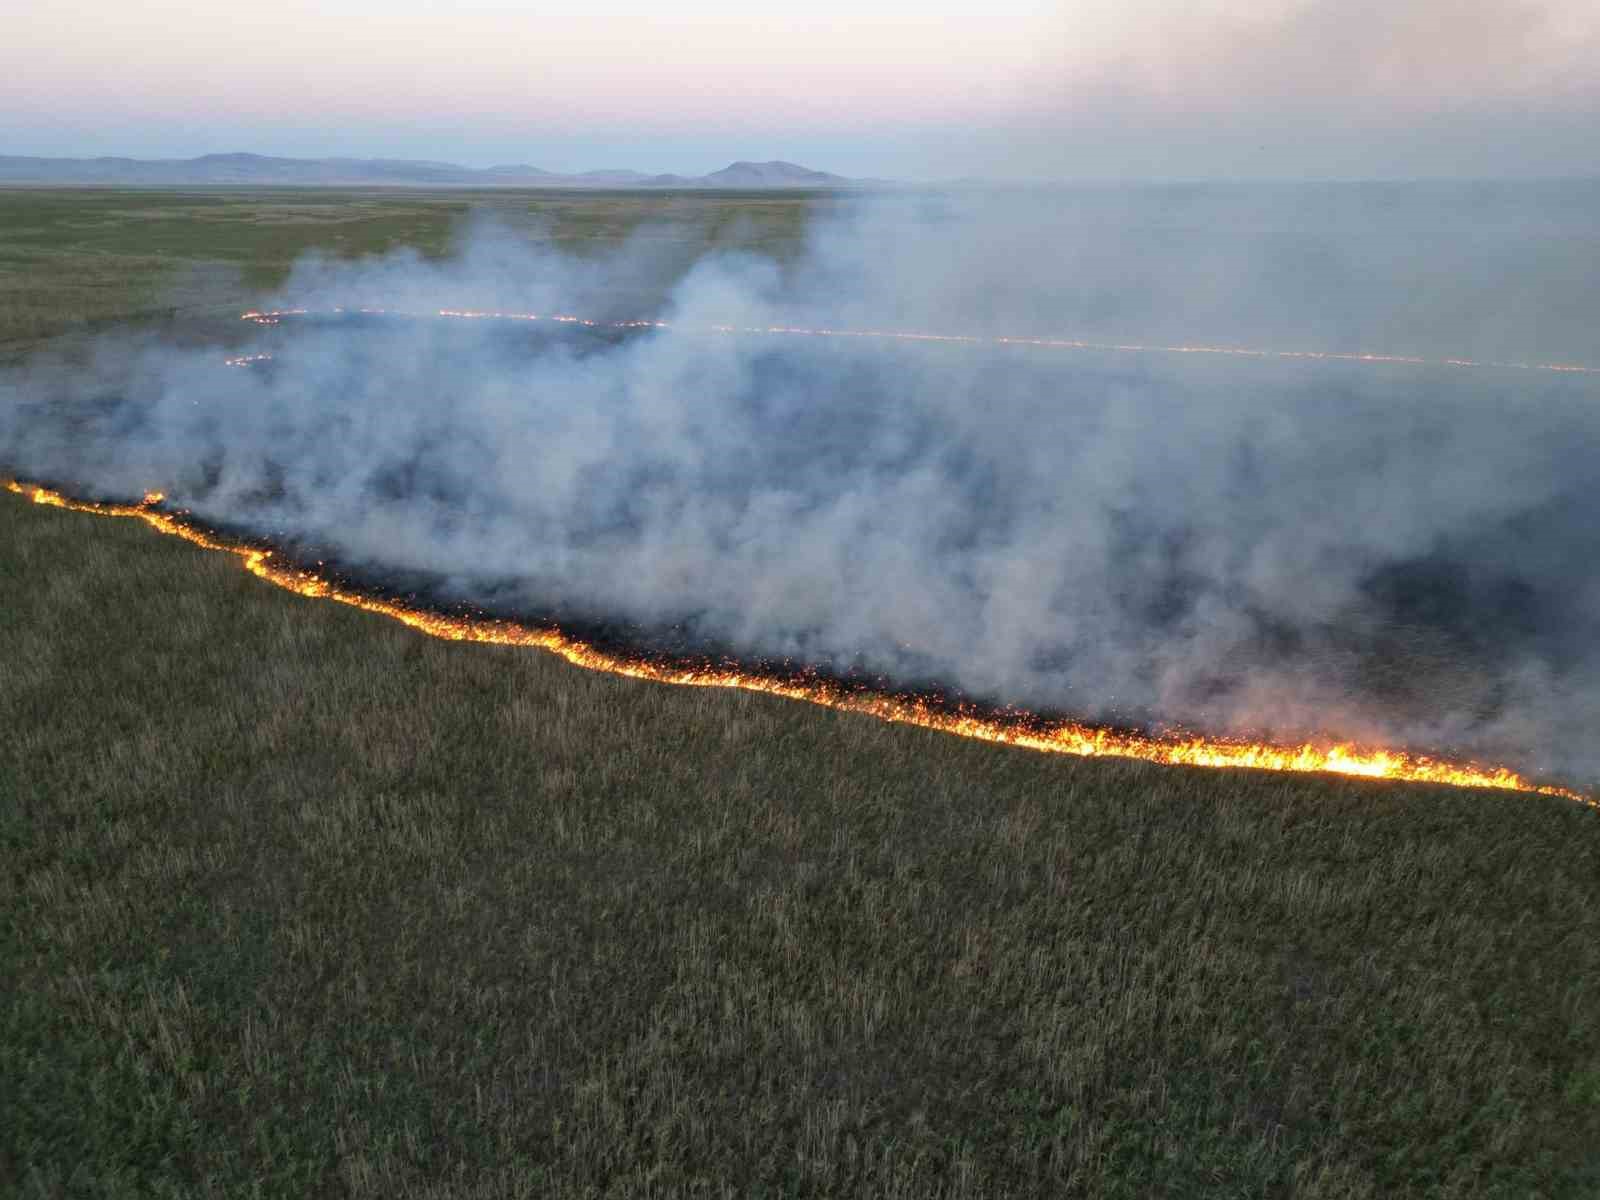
74, 259
1013, 729
303, 901
300, 902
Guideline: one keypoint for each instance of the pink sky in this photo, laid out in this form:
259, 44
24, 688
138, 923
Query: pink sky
1017, 88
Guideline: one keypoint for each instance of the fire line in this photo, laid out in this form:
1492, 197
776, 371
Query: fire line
1064, 737
274, 317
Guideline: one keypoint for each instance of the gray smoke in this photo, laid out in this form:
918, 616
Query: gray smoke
1285, 547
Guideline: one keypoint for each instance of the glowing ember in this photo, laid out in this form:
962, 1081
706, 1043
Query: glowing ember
1050, 343
1061, 738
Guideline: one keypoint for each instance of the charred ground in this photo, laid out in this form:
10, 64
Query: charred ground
1432, 648
301, 902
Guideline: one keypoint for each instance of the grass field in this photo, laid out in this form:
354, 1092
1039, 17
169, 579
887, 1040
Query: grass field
80, 259
301, 903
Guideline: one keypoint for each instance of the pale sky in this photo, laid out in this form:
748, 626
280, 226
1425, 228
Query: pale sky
1021, 89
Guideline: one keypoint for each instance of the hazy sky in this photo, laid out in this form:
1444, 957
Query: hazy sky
932, 89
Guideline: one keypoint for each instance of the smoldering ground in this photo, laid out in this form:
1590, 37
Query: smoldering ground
1389, 552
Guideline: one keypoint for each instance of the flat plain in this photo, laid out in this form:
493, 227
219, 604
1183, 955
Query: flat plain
83, 259
300, 902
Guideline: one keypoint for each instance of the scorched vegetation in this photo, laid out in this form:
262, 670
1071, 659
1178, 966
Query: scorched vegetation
300, 902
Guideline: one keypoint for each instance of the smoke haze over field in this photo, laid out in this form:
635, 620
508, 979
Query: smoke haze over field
1373, 550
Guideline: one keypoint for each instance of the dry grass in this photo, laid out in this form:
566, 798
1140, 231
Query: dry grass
299, 903
302, 901
79, 259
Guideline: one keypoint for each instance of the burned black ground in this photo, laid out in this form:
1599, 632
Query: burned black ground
299, 902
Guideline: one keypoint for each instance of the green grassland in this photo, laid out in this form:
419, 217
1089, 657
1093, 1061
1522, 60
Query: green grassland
81, 259
298, 902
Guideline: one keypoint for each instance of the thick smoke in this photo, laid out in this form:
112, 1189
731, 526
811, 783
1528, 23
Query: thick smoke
1288, 547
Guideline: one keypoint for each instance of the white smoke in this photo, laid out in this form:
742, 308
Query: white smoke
1379, 551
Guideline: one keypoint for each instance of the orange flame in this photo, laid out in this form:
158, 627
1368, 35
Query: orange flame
1064, 737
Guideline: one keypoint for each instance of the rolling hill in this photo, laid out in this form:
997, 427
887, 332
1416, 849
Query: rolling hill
257, 169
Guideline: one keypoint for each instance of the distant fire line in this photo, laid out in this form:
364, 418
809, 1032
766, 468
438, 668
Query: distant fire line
274, 317
1063, 737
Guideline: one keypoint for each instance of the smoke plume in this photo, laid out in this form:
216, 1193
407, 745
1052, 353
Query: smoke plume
1395, 552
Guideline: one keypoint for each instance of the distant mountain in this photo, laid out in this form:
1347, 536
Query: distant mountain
772, 174
258, 169
225, 169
